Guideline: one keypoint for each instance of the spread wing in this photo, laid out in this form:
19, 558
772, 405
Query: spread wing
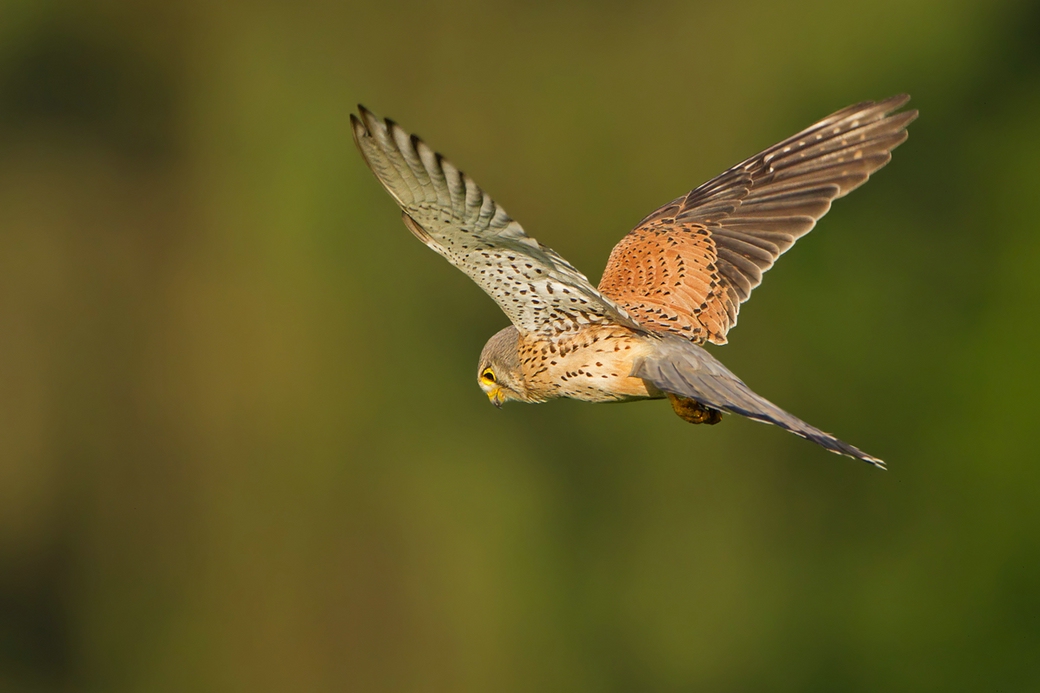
687, 267
536, 288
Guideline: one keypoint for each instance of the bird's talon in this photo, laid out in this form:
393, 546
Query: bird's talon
693, 411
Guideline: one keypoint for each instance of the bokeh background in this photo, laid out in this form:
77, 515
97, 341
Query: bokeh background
241, 443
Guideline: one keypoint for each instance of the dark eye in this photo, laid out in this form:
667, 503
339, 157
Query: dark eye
488, 375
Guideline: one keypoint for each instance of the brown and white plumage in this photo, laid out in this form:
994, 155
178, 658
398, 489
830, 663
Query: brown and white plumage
537, 289
675, 281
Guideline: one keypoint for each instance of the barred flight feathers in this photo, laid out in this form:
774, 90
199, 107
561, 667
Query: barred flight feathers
537, 289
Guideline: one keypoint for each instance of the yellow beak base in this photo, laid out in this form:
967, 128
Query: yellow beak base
496, 397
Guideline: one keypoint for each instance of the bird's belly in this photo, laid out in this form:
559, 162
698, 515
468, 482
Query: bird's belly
593, 366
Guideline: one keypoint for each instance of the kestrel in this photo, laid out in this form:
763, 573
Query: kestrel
674, 282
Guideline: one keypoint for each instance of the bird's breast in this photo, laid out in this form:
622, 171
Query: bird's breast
592, 365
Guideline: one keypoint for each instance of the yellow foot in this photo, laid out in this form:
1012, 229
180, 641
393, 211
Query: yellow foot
693, 411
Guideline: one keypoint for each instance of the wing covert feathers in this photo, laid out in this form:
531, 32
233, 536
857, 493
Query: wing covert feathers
682, 368
688, 266
536, 288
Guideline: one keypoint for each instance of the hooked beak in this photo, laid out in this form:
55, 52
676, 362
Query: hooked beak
496, 397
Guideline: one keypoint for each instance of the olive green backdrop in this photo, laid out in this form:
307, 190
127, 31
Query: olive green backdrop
242, 447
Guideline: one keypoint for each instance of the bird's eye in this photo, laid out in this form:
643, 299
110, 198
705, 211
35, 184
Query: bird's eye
488, 375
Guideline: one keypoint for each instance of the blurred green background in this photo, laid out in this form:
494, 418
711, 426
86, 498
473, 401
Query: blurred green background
241, 443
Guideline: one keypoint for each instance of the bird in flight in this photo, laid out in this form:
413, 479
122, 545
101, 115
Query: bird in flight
673, 283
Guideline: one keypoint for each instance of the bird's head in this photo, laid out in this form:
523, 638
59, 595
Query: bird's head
499, 373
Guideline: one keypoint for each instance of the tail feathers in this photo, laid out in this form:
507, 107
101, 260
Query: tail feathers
681, 368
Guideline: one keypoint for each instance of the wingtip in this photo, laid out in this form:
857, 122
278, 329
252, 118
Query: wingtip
368, 120
364, 117
894, 103
899, 119
889, 104
358, 129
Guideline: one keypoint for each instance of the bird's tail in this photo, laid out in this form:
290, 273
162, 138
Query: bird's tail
685, 369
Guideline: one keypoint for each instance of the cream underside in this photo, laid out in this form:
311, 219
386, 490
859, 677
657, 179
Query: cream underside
595, 368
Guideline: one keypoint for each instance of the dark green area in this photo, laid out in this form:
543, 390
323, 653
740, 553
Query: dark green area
242, 447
